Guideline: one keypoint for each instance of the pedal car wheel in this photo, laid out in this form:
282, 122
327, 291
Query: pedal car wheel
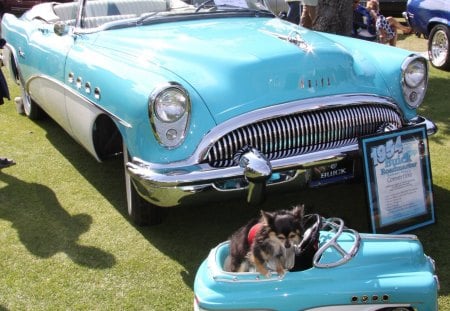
438, 46
140, 211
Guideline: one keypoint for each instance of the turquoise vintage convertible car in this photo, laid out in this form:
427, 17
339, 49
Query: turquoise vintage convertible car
208, 102
349, 271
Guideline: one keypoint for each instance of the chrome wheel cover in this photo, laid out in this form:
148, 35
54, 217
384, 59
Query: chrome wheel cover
439, 48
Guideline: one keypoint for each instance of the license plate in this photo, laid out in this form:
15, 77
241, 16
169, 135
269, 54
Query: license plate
332, 173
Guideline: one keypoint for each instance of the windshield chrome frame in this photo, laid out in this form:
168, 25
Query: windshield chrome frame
134, 21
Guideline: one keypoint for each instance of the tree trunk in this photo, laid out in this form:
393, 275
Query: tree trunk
334, 16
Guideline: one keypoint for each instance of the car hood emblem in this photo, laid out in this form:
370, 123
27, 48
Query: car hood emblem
294, 37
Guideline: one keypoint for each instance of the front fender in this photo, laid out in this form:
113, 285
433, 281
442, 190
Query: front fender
437, 21
121, 85
371, 56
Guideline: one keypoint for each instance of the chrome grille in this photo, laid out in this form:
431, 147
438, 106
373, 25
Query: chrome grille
303, 132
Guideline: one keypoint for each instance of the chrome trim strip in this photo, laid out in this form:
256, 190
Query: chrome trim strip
19, 78
220, 275
82, 98
369, 236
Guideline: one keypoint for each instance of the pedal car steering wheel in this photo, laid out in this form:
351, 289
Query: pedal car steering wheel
336, 225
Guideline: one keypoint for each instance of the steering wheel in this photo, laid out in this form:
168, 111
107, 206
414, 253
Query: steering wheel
202, 5
336, 225
313, 223
305, 250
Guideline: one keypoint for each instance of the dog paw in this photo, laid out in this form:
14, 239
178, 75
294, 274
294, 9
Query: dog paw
268, 274
281, 273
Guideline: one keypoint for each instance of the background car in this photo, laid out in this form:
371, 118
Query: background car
213, 102
431, 18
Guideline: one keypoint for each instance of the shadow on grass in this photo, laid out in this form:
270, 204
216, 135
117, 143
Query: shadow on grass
44, 227
188, 233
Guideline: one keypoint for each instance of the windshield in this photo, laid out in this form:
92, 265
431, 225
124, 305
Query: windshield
103, 14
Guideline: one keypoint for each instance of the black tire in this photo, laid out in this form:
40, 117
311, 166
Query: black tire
438, 47
139, 210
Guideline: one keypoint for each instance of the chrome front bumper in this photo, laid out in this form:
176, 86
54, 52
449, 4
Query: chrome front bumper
254, 177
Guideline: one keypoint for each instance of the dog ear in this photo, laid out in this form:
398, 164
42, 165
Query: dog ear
299, 211
267, 217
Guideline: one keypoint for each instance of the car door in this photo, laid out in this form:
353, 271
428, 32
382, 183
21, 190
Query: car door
45, 56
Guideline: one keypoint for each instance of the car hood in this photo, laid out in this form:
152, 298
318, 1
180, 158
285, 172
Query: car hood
246, 64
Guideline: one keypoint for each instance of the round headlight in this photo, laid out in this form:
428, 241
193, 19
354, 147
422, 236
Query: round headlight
169, 113
414, 80
170, 105
415, 74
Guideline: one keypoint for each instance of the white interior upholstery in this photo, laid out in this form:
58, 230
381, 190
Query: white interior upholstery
66, 11
124, 7
98, 12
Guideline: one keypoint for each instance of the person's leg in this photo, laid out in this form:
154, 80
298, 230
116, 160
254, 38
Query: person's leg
397, 25
312, 14
293, 14
305, 20
393, 40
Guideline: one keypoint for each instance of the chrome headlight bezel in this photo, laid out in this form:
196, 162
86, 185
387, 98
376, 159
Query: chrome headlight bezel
169, 112
414, 80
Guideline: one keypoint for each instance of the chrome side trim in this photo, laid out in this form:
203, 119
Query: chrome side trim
82, 98
369, 236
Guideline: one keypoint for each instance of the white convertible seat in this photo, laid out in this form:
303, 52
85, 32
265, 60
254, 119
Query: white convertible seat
91, 22
98, 12
66, 11
124, 7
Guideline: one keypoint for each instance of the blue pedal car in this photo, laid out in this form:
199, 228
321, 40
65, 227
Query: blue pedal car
349, 271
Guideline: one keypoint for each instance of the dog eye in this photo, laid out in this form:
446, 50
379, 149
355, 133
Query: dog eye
292, 236
281, 237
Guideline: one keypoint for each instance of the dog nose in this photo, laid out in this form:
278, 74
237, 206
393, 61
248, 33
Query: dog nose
287, 244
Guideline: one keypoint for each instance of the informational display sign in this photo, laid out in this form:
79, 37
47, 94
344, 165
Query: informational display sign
398, 180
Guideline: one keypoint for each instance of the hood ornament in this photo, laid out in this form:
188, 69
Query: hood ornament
295, 38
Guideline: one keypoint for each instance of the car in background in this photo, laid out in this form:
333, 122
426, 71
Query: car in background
431, 18
212, 102
348, 270
393, 8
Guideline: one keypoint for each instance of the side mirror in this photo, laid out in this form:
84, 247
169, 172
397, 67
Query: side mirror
61, 28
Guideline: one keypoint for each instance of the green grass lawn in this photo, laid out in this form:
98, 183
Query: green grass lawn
66, 243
